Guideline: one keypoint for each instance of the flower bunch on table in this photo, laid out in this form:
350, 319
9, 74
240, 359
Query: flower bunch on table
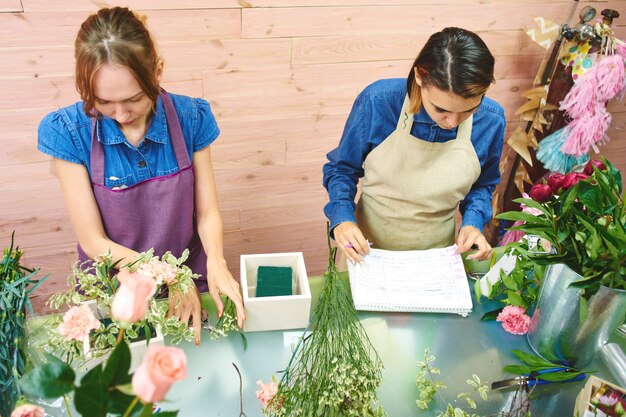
106, 296
334, 369
108, 389
578, 219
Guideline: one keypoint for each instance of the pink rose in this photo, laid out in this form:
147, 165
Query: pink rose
572, 179
28, 410
588, 170
78, 321
267, 392
162, 366
540, 192
556, 182
161, 271
514, 320
130, 302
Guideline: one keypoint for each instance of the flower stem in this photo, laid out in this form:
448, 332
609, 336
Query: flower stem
120, 336
131, 406
67, 406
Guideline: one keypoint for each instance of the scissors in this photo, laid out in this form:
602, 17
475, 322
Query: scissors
532, 379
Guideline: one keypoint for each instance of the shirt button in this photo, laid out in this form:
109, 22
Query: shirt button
142, 164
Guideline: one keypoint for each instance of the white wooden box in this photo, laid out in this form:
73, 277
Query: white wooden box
280, 312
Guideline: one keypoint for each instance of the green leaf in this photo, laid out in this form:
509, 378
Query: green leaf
532, 360
146, 411
244, 341
517, 369
491, 315
558, 376
90, 400
117, 367
168, 413
50, 380
515, 299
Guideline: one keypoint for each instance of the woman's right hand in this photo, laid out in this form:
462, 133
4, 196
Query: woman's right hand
351, 241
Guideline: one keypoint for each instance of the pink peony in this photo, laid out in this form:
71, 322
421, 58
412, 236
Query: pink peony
161, 271
588, 170
267, 392
540, 192
572, 179
514, 320
162, 366
78, 321
130, 302
28, 410
556, 182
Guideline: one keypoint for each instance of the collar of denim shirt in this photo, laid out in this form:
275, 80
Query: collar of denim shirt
425, 120
109, 132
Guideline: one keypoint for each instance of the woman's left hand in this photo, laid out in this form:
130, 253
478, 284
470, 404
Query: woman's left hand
469, 236
187, 305
221, 281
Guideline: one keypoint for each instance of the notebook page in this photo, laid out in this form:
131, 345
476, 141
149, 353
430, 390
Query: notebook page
429, 280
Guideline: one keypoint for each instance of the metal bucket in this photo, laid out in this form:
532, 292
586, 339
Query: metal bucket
559, 333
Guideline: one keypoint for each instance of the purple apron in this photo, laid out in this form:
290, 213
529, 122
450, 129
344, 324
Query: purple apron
156, 213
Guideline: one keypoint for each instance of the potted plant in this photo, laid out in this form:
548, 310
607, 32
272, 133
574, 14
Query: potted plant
16, 286
582, 297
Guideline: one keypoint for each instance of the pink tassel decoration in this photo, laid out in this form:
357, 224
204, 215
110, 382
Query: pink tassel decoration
581, 98
584, 132
621, 51
609, 76
511, 236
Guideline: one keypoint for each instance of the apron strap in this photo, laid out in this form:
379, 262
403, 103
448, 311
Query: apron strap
173, 127
405, 121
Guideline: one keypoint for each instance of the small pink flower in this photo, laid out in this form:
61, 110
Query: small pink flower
530, 210
28, 410
541, 192
514, 320
78, 321
130, 302
161, 271
267, 392
162, 366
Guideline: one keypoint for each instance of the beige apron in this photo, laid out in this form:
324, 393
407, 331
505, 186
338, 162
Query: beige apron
411, 187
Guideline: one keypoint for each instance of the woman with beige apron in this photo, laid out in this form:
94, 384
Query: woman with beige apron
421, 147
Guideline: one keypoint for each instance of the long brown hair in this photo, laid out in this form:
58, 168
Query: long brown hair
115, 36
454, 60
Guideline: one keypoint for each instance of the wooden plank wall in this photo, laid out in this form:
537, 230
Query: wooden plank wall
281, 76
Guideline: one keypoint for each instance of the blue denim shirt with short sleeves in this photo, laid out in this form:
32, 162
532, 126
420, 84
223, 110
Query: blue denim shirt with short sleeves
374, 117
66, 134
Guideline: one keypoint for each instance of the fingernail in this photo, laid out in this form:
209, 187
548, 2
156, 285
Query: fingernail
197, 342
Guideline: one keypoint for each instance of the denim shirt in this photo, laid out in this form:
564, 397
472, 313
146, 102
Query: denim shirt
66, 134
374, 117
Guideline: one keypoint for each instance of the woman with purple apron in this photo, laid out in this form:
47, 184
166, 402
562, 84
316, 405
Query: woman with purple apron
134, 161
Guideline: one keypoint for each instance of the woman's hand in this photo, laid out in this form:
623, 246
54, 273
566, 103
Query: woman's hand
185, 306
351, 241
469, 236
221, 281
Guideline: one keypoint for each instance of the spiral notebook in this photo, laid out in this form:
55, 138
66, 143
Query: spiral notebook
431, 280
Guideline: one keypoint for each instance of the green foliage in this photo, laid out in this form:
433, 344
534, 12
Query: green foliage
428, 387
334, 370
586, 225
16, 284
534, 364
520, 287
97, 281
103, 391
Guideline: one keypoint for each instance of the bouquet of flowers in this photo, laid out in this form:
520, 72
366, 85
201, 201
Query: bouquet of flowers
108, 388
334, 369
109, 290
583, 216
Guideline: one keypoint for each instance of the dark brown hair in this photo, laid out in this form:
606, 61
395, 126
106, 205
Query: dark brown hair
454, 60
115, 36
